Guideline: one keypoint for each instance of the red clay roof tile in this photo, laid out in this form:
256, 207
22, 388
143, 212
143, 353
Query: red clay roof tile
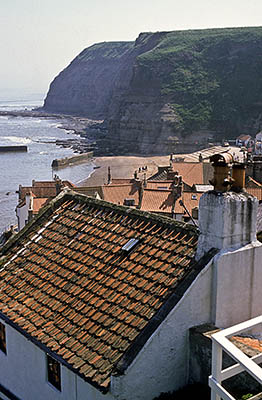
75, 290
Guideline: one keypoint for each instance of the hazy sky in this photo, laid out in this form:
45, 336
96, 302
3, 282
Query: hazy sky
39, 38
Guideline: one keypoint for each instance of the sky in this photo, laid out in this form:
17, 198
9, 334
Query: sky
39, 38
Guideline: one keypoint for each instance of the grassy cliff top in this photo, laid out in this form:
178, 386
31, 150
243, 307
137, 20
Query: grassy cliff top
108, 50
212, 78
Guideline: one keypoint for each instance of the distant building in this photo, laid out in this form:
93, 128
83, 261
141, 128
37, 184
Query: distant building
160, 193
243, 140
258, 144
32, 198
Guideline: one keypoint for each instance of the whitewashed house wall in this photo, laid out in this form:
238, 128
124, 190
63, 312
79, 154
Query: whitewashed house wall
22, 212
162, 364
23, 371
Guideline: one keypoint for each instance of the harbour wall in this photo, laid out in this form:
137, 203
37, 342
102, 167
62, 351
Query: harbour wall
64, 162
12, 148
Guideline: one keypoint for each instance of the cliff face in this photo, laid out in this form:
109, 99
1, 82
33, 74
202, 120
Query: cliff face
167, 86
85, 86
98, 73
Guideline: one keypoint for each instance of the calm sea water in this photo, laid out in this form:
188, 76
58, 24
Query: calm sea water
21, 168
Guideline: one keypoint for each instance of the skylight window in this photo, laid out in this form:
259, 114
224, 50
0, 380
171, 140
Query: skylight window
130, 245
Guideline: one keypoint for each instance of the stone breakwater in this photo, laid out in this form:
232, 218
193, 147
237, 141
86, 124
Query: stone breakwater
4, 149
64, 162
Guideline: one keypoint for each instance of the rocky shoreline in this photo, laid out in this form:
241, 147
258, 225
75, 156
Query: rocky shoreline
86, 128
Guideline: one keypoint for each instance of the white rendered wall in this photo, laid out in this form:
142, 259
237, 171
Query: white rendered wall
237, 285
23, 372
22, 216
226, 220
162, 365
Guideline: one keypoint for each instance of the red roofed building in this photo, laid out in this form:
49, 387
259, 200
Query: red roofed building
97, 299
33, 198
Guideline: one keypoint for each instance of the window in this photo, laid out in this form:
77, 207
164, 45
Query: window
130, 245
53, 372
129, 202
2, 338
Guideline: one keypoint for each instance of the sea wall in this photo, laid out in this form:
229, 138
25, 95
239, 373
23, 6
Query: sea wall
64, 162
4, 149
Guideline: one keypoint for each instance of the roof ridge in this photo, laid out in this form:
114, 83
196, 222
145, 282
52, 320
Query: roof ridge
67, 193
132, 211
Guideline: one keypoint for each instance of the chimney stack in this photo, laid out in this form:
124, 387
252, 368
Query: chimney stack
227, 214
109, 178
238, 176
221, 163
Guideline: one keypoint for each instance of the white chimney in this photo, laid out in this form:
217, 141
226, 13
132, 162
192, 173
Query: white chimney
227, 218
227, 222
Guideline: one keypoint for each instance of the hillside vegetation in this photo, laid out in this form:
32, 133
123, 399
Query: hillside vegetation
210, 77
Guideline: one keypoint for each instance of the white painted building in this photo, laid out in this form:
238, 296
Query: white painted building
28, 208
223, 288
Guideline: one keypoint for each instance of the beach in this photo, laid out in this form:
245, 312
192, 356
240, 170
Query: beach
123, 167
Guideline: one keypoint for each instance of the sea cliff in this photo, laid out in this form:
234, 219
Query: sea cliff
166, 88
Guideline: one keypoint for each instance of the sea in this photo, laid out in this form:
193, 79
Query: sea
20, 168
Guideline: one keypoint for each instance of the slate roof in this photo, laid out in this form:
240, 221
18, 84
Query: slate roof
67, 284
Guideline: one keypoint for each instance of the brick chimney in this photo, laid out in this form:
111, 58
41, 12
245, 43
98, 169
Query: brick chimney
109, 177
227, 214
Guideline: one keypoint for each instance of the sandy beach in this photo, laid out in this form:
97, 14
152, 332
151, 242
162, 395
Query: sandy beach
123, 167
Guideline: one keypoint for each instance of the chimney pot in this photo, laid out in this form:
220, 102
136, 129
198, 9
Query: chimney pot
221, 163
238, 175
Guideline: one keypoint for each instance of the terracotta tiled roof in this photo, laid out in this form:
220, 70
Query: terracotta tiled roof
118, 193
257, 192
42, 189
252, 183
114, 193
162, 200
121, 181
244, 137
159, 184
51, 184
155, 200
68, 284
38, 203
191, 172
37, 191
191, 200
92, 191
249, 345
